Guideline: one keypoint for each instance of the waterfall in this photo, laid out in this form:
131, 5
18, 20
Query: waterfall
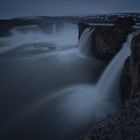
111, 75
85, 41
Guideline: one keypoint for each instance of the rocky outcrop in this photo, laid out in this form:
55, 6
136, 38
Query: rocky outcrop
130, 79
108, 40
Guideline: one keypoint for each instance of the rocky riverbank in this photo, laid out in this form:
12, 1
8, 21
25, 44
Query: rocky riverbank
124, 125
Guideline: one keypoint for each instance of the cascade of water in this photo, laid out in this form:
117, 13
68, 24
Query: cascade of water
110, 76
85, 41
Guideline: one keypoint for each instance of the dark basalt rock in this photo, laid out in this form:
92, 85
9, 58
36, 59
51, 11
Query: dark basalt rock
108, 40
130, 78
124, 125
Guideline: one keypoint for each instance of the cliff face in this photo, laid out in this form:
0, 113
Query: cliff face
108, 40
130, 79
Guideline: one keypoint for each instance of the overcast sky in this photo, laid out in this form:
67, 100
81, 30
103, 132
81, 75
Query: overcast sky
16, 8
